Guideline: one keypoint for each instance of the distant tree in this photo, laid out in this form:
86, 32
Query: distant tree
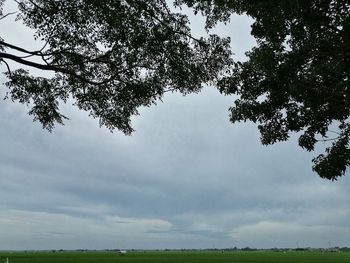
297, 77
110, 57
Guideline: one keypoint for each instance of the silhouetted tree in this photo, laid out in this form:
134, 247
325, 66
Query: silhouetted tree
110, 56
297, 77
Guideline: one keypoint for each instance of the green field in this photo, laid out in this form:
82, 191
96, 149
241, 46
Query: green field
178, 257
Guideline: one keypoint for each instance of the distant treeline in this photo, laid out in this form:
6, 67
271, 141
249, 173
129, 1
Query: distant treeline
306, 249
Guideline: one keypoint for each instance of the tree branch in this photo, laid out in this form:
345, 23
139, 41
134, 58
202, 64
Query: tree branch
18, 48
327, 140
52, 68
8, 14
7, 66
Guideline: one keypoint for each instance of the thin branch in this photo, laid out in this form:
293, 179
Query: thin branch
327, 140
164, 4
31, 53
34, 4
170, 90
52, 68
98, 59
8, 14
47, 42
30, 63
8, 67
18, 48
334, 132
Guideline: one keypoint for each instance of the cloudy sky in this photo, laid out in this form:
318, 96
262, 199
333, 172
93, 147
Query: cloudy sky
186, 178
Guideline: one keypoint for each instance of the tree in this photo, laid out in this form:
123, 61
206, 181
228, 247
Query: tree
110, 58
297, 77
113, 58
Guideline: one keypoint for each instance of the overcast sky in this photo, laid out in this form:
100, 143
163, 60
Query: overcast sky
186, 178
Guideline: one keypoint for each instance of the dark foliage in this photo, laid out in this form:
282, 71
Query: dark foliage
110, 56
114, 57
297, 78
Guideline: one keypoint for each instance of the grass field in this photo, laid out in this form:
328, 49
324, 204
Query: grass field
176, 257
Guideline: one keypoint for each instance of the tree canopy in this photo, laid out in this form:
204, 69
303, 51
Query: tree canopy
111, 58
114, 57
297, 77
